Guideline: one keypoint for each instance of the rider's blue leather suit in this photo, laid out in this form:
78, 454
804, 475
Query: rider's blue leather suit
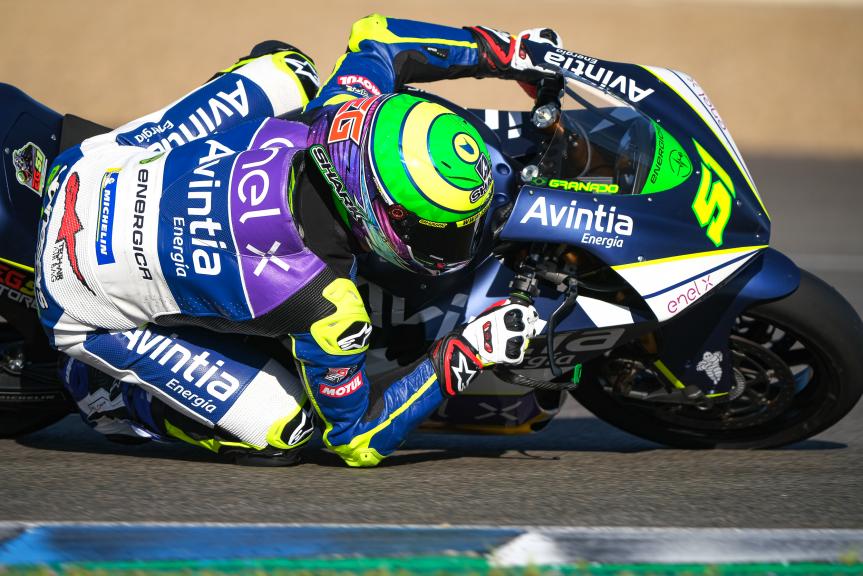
168, 246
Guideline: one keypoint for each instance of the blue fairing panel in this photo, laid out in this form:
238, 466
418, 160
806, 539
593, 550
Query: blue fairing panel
619, 229
23, 121
705, 329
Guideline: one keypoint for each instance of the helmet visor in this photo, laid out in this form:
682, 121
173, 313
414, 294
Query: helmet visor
439, 247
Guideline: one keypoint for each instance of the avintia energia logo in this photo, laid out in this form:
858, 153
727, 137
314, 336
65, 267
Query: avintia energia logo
198, 379
589, 220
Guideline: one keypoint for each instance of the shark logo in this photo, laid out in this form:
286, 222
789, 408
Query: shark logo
70, 225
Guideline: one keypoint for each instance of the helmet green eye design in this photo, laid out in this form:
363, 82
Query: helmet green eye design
433, 178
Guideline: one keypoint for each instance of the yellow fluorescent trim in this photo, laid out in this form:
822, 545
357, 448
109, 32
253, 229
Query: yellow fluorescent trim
210, 443
374, 28
279, 61
274, 433
304, 377
358, 452
339, 98
721, 139
689, 256
431, 380
350, 309
333, 73
667, 373
21, 266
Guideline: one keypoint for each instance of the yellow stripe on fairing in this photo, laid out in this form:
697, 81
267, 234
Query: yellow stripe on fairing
21, 266
689, 256
720, 137
668, 374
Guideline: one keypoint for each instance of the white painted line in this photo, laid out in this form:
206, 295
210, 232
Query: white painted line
605, 545
531, 548
681, 546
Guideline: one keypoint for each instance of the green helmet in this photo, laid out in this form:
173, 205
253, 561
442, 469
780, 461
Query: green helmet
424, 184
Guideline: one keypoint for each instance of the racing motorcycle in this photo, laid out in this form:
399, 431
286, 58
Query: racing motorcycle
622, 210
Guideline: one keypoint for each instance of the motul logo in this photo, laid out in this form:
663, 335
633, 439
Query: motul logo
345, 389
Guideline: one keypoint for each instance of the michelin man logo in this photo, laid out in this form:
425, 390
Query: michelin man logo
711, 365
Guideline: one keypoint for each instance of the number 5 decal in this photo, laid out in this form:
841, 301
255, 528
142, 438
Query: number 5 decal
712, 204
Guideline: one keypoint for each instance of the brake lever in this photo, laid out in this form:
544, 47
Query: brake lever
562, 311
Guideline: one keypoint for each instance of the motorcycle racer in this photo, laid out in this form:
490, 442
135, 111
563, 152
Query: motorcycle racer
171, 247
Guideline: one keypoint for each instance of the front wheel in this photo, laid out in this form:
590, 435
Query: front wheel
798, 370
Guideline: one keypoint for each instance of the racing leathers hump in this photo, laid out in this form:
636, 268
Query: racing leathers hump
205, 217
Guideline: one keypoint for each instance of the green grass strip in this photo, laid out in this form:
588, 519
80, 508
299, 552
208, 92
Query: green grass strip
423, 565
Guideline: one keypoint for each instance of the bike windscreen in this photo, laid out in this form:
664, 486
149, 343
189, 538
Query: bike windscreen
600, 144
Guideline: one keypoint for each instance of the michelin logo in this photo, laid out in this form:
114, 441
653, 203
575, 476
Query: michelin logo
104, 234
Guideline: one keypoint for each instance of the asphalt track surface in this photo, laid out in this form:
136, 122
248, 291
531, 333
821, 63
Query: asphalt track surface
579, 471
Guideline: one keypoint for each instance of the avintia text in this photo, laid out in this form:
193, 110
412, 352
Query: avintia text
591, 69
205, 120
192, 371
593, 218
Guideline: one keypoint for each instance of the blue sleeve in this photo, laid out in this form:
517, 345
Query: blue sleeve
386, 53
363, 421
252, 89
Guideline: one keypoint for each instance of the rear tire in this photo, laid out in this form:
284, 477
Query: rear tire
31, 393
827, 337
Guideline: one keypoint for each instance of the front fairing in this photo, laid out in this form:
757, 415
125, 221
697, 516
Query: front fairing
722, 198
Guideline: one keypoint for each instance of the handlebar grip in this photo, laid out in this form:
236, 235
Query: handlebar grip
519, 297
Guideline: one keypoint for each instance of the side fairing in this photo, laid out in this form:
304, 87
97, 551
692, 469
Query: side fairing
653, 241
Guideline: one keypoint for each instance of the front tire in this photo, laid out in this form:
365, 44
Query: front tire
816, 334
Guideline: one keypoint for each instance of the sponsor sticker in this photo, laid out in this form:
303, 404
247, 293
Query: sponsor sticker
336, 374
711, 365
105, 234
70, 225
437, 51
30, 165
362, 81
16, 286
342, 390
596, 224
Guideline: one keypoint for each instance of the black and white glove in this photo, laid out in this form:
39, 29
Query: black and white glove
505, 56
500, 335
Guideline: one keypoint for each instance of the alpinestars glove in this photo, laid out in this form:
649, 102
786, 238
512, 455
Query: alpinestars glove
500, 335
504, 56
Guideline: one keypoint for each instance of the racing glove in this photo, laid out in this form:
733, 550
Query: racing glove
500, 335
504, 56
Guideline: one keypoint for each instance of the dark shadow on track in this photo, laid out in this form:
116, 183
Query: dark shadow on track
580, 434
583, 434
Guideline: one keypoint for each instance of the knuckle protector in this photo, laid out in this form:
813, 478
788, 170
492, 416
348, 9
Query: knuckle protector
455, 363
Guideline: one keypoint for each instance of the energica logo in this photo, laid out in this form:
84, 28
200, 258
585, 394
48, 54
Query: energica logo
588, 220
